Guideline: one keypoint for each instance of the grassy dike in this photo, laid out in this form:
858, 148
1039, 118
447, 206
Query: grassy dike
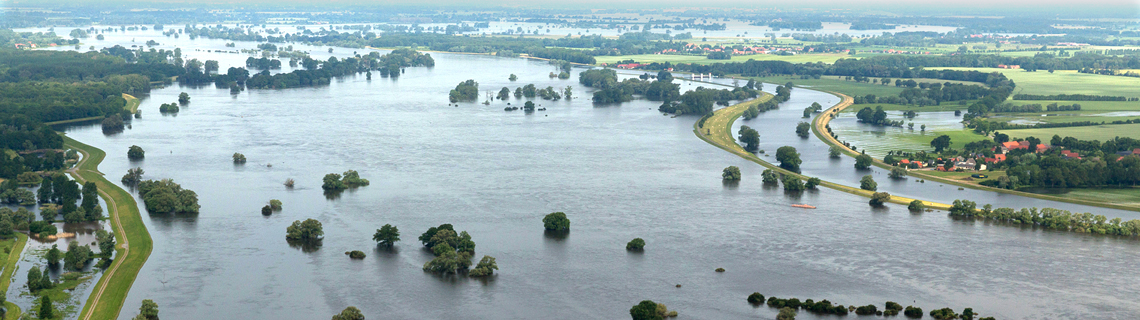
134, 243
12, 310
717, 131
820, 123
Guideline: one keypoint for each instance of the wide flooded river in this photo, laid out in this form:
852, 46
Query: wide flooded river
619, 172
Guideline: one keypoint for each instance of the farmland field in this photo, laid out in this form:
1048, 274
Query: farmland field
1101, 132
1067, 82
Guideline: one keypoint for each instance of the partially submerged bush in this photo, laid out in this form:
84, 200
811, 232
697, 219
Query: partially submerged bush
355, 254
637, 244
556, 221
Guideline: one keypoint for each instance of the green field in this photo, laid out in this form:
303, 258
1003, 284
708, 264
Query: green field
949, 106
673, 58
1102, 132
1124, 196
1067, 82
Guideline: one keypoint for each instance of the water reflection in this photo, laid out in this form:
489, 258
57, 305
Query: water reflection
556, 235
306, 246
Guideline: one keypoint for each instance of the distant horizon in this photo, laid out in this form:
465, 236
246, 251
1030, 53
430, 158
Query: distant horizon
930, 8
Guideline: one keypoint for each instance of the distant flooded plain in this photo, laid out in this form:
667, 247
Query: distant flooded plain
618, 171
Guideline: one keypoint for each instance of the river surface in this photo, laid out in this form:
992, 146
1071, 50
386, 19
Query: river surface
619, 172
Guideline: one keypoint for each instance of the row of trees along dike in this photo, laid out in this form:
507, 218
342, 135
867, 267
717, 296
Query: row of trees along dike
788, 308
1048, 218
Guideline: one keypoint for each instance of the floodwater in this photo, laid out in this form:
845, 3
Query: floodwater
619, 172
777, 129
877, 140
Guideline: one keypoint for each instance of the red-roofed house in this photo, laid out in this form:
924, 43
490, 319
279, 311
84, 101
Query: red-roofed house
1041, 147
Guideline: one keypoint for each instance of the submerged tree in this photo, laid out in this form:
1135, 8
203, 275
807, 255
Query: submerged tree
868, 183
486, 267
349, 313
308, 230
731, 173
135, 153
637, 244
556, 221
387, 235
879, 198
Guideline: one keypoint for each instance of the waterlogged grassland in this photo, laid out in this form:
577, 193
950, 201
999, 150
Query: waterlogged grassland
61, 294
836, 84
948, 106
965, 176
1067, 82
1101, 132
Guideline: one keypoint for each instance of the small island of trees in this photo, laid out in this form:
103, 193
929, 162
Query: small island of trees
453, 251
165, 196
556, 221
464, 91
637, 244
308, 230
351, 179
731, 173
136, 153
168, 108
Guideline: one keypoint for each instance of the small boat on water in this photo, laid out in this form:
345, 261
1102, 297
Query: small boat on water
803, 206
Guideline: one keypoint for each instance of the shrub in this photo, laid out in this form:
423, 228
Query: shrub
866, 310
136, 153
913, 312
239, 158
879, 198
863, 161
868, 183
769, 176
812, 183
897, 173
355, 254
755, 298
637, 244
556, 221
786, 314
943, 314
646, 310
792, 183
266, 210
834, 152
168, 108
275, 204
732, 173
486, 267
310, 229
719, 270
289, 183
916, 206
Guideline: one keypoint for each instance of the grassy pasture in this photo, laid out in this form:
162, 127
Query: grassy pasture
1101, 132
